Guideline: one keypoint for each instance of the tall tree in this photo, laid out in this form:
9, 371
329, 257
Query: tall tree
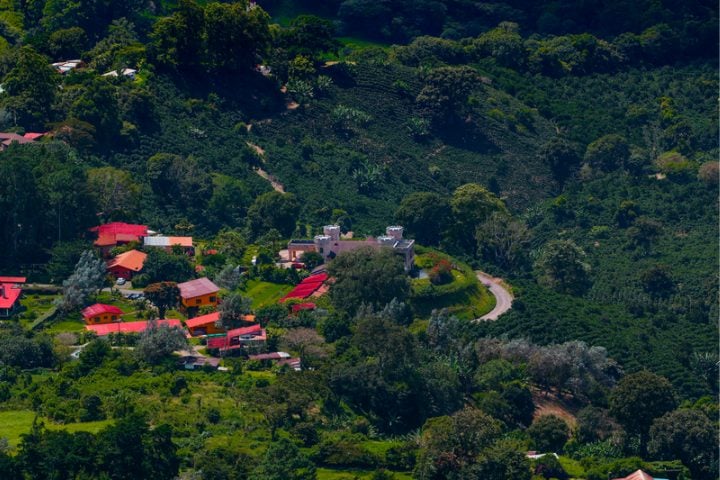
30, 89
424, 215
88, 278
369, 276
471, 205
690, 436
163, 295
639, 399
561, 267
157, 341
284, 461
274, 210
232, 310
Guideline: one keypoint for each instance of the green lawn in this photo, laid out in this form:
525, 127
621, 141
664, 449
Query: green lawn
331, 474
572, 467
36, 305
265, 293
17, 422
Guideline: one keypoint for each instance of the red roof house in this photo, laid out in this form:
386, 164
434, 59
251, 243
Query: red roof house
204, 324
116, 233
129, 327
639, 475
302, 306
238, 338
127, 264
101, 313
197, 293
13, 280
9, 298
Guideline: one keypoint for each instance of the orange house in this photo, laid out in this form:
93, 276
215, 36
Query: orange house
100, 313
209, 324
198, 293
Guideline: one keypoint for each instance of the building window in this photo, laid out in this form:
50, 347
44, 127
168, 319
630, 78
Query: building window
198, 301
212, 299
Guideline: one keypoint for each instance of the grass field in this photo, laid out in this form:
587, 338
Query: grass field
264, 293
15, 423
330, 474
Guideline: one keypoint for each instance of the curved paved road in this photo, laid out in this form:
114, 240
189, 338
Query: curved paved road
503, 298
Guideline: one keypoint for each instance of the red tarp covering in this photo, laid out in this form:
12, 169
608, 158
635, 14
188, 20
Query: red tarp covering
307, 287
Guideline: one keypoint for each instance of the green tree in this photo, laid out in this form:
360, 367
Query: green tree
30, 89
657, 280
162, 266
158, 341
639, 399
311, 259
274, 210
450, 446
284, 461
690, 436
471, 205
424, 215
310, 36
561, 156
549, 433
235, 35
444, 96
177, 40
367, 276
232, 310
608, 153
114, 191
561, 267
503, 241
87, 279
68, 42
63, 258
163, 295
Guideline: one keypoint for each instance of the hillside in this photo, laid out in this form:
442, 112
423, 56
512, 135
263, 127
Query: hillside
310, 194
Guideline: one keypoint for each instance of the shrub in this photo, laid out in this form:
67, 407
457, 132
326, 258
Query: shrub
441, 273
673, 163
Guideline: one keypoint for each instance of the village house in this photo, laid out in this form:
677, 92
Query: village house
66, 66
329, 245
640, 475
281, 358
168, 243
210, 324
125, 72
127, 264
7, 139
245, 337
10, 292
201, 292
101, 313
110, 235
128, 327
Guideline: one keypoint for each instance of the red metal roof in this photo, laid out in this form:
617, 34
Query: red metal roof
130, 260
303, 306
203, 320
115, 228
13, 279
237, 332
637, 475
307, 287
100, 309
129, 327
34, 135
197, 288
9, 295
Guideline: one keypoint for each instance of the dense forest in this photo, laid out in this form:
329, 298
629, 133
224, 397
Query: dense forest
567, 147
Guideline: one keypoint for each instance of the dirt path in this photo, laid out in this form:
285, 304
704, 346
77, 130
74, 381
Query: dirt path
503, 297
277, 186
